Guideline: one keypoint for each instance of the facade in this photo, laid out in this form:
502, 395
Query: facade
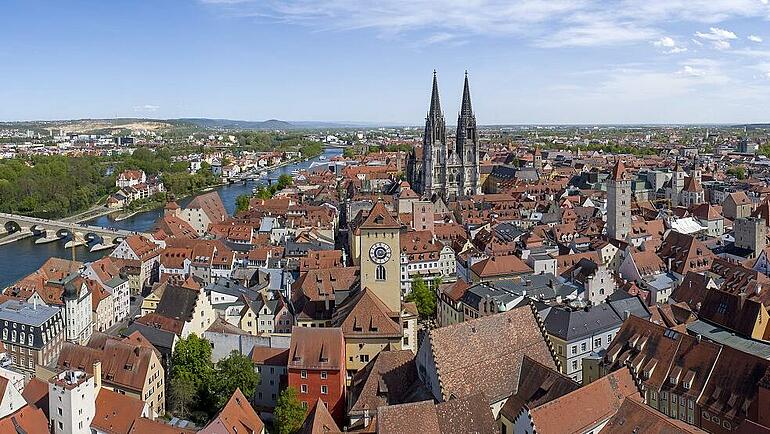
445, 170
107, 274
618, 203
316, 368
71, 402
751, 234
141, 254
422, 255
32, 334
271, 364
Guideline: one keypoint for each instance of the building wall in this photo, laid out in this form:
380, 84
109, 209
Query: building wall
11, 401
309, 383
426, 369
361, 351
78, 318
71, 409
269, 387
618, 209
388, 289
571, 354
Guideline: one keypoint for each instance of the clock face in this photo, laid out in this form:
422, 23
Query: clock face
380, 253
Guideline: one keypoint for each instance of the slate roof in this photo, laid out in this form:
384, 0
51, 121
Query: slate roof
178, 303
571, 325
493, 349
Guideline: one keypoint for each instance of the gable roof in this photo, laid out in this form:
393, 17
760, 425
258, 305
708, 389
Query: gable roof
597, 401
316, 348
380, 218
485, 354
28, 419
236, 417
319, 421
634, 417
211, 204
456, 416
116, 412
538, 384
365, 315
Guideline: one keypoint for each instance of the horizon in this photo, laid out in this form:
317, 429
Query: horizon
566, 62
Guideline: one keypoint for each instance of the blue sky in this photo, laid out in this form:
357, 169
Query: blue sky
529, 61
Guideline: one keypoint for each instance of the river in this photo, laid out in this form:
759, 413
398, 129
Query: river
22, 257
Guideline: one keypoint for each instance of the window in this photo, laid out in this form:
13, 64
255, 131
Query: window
598, 342
574, 364
583, 346
304, 404
324, 390
380, 273
609, 338
303, 388
324, 375
303, 374
364, 358
574, 349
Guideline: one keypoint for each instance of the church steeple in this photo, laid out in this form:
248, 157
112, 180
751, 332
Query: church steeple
435, 104
466, 109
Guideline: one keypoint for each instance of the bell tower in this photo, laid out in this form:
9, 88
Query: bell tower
381, 256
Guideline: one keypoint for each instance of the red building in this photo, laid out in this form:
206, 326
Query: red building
316, 368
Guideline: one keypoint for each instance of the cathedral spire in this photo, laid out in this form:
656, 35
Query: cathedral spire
435, 104
465, 109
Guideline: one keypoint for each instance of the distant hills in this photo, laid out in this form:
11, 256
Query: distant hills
270, 124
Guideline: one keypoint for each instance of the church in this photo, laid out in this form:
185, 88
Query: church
442, 169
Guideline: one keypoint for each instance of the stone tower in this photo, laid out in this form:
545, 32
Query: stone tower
381, 256
467, 144
618, 203
677, 184
434, 147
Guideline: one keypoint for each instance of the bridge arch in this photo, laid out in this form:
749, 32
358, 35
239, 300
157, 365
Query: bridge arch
12, 226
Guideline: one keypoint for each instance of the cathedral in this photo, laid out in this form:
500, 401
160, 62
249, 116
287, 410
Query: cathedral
438, 168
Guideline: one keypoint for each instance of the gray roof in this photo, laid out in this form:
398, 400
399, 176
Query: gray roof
159, 338
726, 337
223, 285
571, 325
22, 312
541, 286
632, 304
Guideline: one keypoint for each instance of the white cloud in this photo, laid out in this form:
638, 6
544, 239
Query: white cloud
668, 45
690, 71
147, 108
719, 38
754, 38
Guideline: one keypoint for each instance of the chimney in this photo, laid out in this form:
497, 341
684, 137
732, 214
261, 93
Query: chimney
669, 263
743, 297
97, 376
626, 314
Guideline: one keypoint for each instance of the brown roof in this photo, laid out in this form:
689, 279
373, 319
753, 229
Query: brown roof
174, 257
318, 285
384, 381
319, 421
28, 419
500, 266
317, 348
116, 412
365, 315
142, 247
538, 384
633, 417
236, 417
380, 218
685, 252
739, 198
648, 263
211, 204
143, 426
174, 226
36, 393
597, 401
124, 364
456, 416
485, 354
270, 356
619, 172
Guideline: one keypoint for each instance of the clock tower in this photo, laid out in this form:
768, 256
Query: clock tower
381, 256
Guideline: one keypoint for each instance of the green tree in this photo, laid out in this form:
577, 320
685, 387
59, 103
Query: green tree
182, 393
192, 361
423, 297
236, 371
242, 203
289, 413
284, 181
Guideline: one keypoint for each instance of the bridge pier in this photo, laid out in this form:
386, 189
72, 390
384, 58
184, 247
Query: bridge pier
105, 244
47, 238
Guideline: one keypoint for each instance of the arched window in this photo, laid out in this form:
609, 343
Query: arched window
380, 273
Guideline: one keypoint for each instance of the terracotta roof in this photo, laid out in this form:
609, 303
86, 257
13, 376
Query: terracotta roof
36, 393
619, 172
384, 381
319, 421
739, 198
633, 417
380, 218
211, 204
500, 266
597, 401
236, 417
174, 226
648, 263
365, 315
116, 412
174, 257
485, 354
685, 252
538, 384
142, 247
317, 348
144, 426
28, 419
317, 285
123, 363
456, 416
270, 356
692, 186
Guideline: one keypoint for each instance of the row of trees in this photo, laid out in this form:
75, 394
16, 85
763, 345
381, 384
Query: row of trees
51, 186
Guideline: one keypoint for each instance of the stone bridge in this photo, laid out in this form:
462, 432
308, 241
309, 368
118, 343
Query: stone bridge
54, 230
